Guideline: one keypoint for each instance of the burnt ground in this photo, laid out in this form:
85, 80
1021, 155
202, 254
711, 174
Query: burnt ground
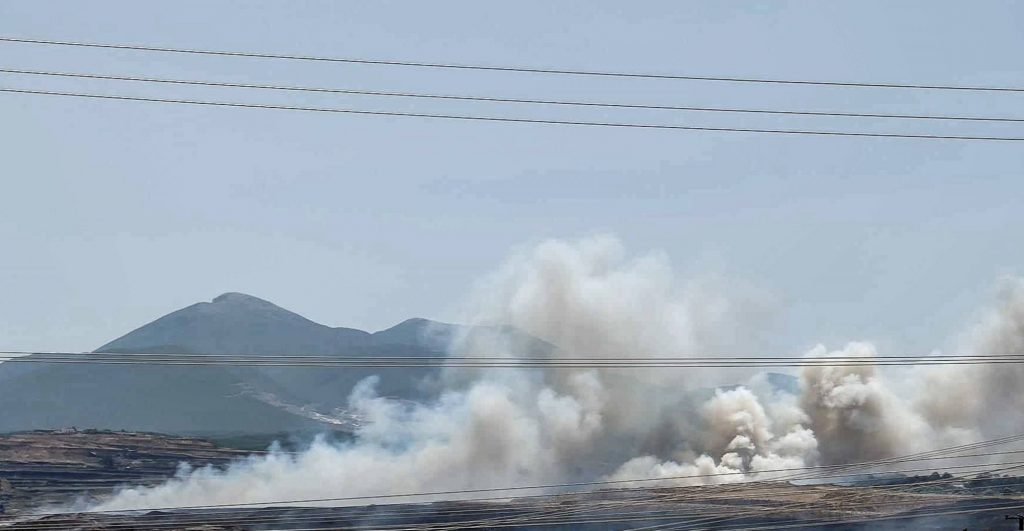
44, 469
746, 508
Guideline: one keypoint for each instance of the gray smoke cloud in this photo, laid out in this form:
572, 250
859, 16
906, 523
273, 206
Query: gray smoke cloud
587, 299
984, 398
856, 416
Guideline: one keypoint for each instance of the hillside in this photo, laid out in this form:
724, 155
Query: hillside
215, 398
219, 399
236, 323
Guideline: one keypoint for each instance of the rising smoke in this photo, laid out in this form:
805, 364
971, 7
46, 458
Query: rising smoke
984, 397
503, 427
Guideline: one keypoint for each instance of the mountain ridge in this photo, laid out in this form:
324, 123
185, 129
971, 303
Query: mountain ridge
236, 323
217, 398
230, 398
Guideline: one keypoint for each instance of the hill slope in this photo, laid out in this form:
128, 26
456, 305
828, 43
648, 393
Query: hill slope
235, 323
214, 398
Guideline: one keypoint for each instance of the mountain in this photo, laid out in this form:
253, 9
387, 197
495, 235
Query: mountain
236, 323
240, 324
140, 398
223, 399
786, 383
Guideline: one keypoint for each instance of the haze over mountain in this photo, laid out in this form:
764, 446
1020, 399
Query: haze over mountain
229, 399
216, 398
236, 323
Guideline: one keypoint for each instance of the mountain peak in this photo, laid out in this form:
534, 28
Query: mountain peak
417, 331
236, 323
234, 297
232, 323
414, 322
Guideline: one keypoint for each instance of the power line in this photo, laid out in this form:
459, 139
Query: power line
1008, 504
507, 120
653, 498
456, 97
529, 70
625, 513
810, 505
365, 365
440, 356
703, 496
389, 362
946, 453
824, 471
228, 507
591, 514
832, 471
526, 362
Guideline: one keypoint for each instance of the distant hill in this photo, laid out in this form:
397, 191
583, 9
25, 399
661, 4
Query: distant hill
221, 399
236, 323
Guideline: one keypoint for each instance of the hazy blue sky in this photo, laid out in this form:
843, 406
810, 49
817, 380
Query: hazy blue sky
112, 214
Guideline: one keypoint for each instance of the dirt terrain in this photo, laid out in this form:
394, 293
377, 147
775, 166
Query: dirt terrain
43, 470
719, 507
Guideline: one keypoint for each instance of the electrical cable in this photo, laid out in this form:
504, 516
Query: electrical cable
496, 119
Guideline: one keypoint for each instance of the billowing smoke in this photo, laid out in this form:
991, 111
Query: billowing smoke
739, 432
985, 397
506, 427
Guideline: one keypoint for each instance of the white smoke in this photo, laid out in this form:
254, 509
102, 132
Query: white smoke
856, 415
739, 431
983, 397
507, 427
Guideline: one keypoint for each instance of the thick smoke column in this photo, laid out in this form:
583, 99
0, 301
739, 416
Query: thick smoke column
856, 416
502, 427
983, 397
507, 427
739, 432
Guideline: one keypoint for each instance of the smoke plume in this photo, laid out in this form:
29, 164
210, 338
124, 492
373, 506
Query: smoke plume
586, 299
983, 397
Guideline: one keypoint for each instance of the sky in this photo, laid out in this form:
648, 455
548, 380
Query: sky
114, 213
